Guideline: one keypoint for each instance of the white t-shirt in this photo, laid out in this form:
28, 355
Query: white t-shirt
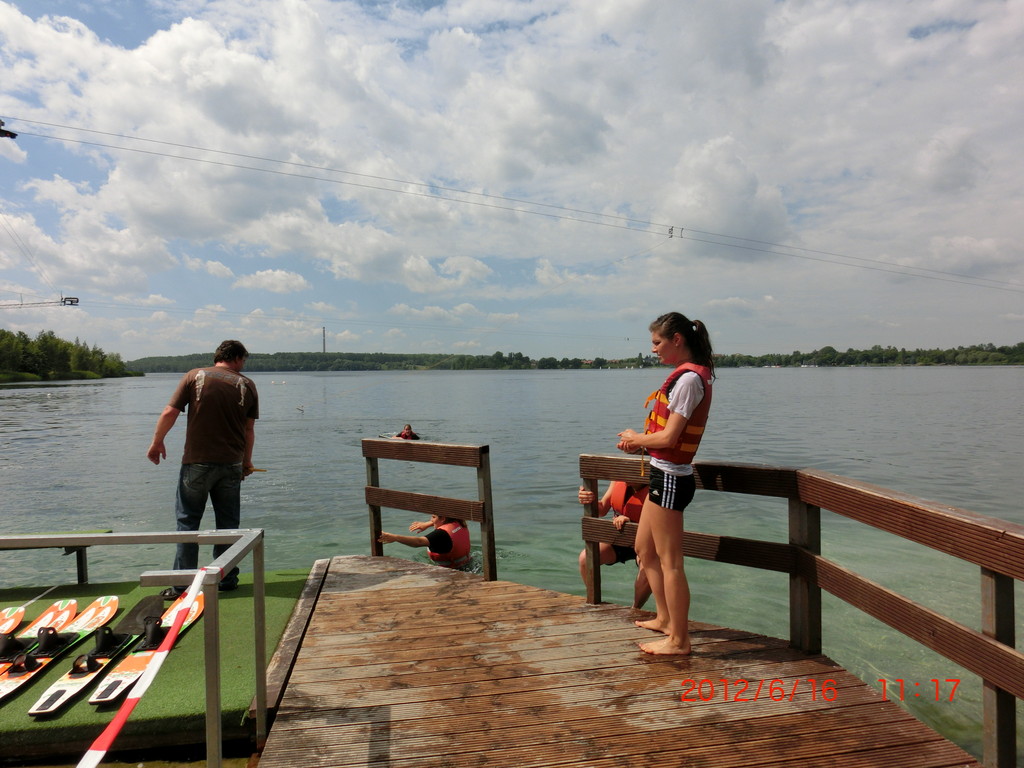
686, 395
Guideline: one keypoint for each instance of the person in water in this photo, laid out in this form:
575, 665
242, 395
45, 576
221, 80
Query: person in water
447, 544
407, 433
626, 501
671, 436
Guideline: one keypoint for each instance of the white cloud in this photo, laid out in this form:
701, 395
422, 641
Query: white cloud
153, 300
215, 268
437, 314
314, 151
273, 280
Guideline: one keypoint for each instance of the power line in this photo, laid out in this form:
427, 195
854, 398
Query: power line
21, 246
548, 210
618, 222
309, 166
417, 325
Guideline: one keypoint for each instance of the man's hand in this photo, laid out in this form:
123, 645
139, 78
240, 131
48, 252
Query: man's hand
156, 451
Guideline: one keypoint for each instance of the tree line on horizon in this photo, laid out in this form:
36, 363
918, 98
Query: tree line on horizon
981, 354
47, 357
977, 354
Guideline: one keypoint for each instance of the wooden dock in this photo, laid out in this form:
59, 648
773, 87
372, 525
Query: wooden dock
411, 665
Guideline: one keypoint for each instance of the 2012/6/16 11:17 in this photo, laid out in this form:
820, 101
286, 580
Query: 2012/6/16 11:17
909, 690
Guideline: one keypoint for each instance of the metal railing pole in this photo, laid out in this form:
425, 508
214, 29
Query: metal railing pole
211, 652
259, 609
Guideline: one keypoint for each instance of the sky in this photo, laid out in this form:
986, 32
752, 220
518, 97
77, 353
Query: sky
535, 176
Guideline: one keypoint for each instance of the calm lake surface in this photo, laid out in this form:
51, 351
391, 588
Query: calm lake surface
72, 457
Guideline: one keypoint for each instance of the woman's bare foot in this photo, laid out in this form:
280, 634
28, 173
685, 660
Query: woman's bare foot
655, 624
666, 647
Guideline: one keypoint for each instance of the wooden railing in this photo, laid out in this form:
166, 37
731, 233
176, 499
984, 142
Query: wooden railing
996, 546
479, 510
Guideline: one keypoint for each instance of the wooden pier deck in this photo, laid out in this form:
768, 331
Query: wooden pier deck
414, 666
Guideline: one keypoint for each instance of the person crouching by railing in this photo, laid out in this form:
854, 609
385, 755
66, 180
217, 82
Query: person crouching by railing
627, 502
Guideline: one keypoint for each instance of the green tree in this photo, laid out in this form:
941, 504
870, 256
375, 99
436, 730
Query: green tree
825, 356
10, 352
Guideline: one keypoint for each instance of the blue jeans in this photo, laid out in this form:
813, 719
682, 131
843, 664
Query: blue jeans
222, 484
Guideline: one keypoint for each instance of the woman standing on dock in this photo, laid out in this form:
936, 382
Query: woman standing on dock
671, 436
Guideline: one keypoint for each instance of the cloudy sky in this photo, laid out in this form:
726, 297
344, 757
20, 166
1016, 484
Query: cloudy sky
540, 176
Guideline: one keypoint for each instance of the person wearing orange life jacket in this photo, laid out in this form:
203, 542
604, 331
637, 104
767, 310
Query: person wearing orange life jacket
627, 502
673, 432
447, 545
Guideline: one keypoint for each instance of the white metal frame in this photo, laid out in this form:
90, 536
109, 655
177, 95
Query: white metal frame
243, 542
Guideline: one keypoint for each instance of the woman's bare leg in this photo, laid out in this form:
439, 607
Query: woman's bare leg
646, 549
666, 531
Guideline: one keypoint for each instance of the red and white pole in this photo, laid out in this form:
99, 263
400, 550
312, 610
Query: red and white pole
105, 740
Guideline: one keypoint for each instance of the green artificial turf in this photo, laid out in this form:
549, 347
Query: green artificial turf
173, 710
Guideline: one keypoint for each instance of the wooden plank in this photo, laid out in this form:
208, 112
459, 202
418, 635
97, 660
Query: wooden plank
421, 450
460, 509
768, 555
434, 669
985, 656
989, 542
756, 479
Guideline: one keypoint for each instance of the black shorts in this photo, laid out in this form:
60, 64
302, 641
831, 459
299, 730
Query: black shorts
671, 491
624, 554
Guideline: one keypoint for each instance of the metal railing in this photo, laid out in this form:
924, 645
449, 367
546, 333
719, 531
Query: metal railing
996, 546
243, 542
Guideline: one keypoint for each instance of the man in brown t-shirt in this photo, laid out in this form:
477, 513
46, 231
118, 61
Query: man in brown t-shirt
222, 407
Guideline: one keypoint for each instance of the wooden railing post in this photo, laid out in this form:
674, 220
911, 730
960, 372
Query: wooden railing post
592, 571
487, 546
999, 706
373, 479
804, 594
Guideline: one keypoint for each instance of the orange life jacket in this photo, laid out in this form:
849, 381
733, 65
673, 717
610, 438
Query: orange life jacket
683, 451
459, 554
626, 501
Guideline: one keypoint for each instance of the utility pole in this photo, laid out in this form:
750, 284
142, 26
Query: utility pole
324, 329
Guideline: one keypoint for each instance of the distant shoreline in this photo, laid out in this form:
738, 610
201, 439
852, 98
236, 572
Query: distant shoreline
826, 357
20, 377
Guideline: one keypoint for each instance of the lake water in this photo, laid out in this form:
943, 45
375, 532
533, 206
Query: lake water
72, 457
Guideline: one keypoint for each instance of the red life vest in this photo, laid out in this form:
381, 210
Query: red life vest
683, 451
459, 554
626, 501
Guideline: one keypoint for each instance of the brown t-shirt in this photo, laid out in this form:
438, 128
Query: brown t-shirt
220, 403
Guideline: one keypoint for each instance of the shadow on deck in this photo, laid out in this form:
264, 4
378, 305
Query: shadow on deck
407, 664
